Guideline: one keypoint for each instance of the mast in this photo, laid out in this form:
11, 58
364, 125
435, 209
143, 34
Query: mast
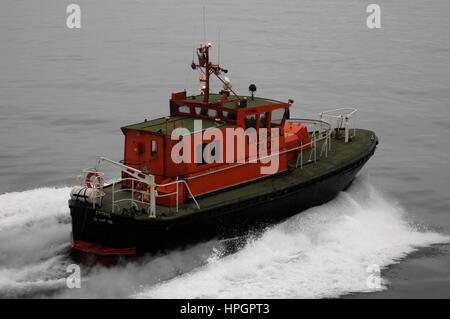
207, 72
207, 69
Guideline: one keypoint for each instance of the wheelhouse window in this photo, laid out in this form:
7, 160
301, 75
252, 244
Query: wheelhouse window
250, 121
208, 152
154, 147
213, 152
263, 119
277, 117
206, 112
212, 113
183, 109
200, 150
201, 111
229, 115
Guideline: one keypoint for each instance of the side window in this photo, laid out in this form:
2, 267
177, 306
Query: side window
212, 155
201, 111
154, 147
212, 113
184, 109
214, 151
263, 118
214, 146
206, 112
250, 121
277, 117
229, 115
200, 150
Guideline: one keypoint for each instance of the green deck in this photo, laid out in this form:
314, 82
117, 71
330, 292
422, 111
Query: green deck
340, 155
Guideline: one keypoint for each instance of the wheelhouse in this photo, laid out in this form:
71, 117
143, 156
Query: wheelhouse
214, 164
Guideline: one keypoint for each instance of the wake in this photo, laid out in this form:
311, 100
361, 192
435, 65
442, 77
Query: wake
323, 252
34, 241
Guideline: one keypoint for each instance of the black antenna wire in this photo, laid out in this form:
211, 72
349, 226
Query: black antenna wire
204, 26
218, 50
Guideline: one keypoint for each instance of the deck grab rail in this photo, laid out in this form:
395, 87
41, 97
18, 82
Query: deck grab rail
342, 117
136, 177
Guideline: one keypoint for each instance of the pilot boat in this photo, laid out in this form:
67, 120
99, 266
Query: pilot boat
218, 165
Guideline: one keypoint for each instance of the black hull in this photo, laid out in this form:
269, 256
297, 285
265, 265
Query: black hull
155, 235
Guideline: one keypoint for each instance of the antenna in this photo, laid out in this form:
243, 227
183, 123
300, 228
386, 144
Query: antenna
204, 26
218, 50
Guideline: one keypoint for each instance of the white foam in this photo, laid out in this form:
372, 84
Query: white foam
34, 224
33, 279
323, 252
24, 208
125, 280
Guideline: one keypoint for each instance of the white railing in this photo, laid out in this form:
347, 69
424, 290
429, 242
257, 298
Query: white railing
147, 194
137, 177
342, 117
133, 198
321, 132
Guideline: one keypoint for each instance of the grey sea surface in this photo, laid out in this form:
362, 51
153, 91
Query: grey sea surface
65, 93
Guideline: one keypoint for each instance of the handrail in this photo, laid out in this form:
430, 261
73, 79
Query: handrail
137, 177
327, 112
310, 144
342, 116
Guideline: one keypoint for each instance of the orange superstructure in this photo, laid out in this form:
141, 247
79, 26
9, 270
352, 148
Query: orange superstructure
222, 139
